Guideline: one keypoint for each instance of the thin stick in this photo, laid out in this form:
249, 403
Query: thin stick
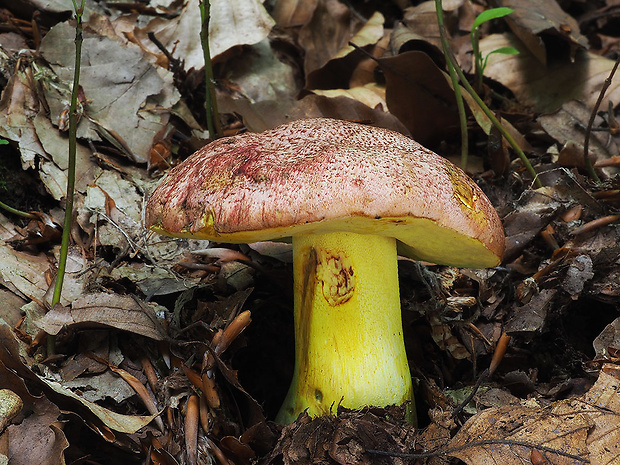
213, 120
586, 143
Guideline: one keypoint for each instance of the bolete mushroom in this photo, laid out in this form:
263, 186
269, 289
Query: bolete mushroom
350, 196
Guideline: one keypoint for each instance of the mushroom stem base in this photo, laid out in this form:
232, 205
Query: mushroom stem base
349, 347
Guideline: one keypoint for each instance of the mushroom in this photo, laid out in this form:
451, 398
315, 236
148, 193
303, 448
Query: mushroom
351, 197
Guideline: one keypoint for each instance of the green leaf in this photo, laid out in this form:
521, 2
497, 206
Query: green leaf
501, 50
506, 51
3, 141
490, 14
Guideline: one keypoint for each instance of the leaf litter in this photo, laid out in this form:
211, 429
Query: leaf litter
158, 358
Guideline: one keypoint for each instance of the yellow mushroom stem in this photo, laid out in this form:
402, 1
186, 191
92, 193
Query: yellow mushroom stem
349, 347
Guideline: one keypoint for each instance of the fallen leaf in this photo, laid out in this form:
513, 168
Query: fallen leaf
571, 431
39, 437
233, 23
10, 356
531, 83
111, 310
119, 80
24, 273
418, 94
291, 13
533, 20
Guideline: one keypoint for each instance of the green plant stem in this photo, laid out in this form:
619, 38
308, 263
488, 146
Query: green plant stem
450, 58
17, 212
213, 121
73, 120
455, 85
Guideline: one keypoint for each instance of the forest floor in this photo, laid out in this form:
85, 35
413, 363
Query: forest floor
139, 312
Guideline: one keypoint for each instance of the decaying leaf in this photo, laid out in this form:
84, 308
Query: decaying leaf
10, 356
523, 74
103, 309
233, 23
533, 20
418, 93
573, 431
129, 97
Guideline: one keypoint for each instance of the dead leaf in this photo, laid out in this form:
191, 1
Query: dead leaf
233, 23
111, 310
371, 95
19, 106
119, 79
567, 432
530, 82
510, 434
330, 30
24, 273
10, 356
417, 92
604, 440
291, 13
533, 20
568, 125
39, 437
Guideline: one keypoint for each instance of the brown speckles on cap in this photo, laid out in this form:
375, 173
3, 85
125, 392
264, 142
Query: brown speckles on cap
318, 172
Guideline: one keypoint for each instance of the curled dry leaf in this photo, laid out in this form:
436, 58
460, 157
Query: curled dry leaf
111, 310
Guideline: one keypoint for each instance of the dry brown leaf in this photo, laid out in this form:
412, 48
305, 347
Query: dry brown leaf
570, 432
371, 95
569, 124
291, 13
604, 440
19, 107
419, 29
531, 83
38, 438
258, 74
233, 23
508, 435
10, 356
330, 30
24, 273
111, 310
264, 115
417, 92
120, 81
531, 20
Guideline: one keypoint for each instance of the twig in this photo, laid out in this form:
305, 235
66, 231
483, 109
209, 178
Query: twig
483, 376
213, 120
586, 143
484, 442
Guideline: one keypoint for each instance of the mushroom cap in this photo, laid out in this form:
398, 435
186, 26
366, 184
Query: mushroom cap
323, 175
